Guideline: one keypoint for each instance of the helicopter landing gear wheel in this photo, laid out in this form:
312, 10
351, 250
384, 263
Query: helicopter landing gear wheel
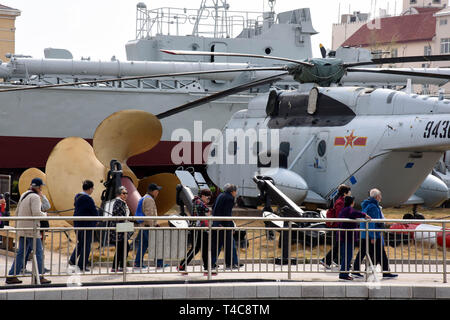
414, 214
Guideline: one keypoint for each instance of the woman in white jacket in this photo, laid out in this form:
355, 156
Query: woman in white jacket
29, 206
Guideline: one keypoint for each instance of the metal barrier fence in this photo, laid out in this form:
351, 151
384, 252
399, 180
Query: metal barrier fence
260, 247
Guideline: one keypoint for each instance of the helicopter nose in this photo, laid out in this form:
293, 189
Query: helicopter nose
289, 182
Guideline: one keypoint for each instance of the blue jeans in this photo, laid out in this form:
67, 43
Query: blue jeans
25, 248
346, 250
142, 246
142, 249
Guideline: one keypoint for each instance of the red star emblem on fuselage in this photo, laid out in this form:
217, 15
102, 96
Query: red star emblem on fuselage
350, 140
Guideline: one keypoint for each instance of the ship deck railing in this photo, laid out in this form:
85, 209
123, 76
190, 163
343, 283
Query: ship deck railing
196, 22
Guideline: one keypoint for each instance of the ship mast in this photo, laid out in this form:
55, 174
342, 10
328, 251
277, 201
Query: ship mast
216, 5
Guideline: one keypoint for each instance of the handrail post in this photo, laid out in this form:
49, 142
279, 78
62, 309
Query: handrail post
444, 256
367, 250
289, 250
34, 269
125, 254
209, 248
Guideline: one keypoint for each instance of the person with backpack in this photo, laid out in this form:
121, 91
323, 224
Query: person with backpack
84, 206
29, 206
147, 207
333, 212
199, 237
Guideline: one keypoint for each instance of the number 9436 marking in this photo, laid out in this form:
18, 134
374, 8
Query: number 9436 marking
440, 129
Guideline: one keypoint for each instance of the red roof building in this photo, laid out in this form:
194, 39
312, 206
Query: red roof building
398, 29
418, 31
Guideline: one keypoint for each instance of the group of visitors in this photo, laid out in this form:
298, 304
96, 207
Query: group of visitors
220, 239
33, 203
347, 237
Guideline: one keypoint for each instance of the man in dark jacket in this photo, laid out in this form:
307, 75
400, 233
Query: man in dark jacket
84, 206
223, 207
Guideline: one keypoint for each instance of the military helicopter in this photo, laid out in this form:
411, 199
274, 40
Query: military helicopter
328, 135
331, 135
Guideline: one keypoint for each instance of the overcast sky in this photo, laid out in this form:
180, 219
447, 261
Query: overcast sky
100, 28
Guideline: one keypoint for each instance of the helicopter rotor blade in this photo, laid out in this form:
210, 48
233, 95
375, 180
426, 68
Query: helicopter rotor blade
162, 75
219, 95
442, 57
402, 72
229, 54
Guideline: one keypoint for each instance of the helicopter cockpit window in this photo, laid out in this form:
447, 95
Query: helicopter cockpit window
312, 101
256, 148
272, 104
263, 157
322, 148
368, 90
232, 148
284, 154
390, 97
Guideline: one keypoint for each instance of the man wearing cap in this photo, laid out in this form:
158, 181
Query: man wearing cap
149, 209
29, 206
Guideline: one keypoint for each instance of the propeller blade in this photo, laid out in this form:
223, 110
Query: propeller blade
442, 57
402, 72
168, 195
229, 54
219, 95
133, 132
162, 75
323, 51
71, 162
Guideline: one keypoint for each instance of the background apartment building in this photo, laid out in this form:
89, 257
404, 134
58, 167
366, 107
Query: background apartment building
423, 28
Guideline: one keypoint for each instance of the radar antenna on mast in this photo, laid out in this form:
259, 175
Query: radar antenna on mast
272, 5
269, 17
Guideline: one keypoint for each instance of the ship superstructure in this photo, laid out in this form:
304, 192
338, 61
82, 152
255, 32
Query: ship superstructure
33, 121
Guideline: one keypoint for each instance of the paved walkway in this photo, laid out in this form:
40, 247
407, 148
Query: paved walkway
252, 281
168, 284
